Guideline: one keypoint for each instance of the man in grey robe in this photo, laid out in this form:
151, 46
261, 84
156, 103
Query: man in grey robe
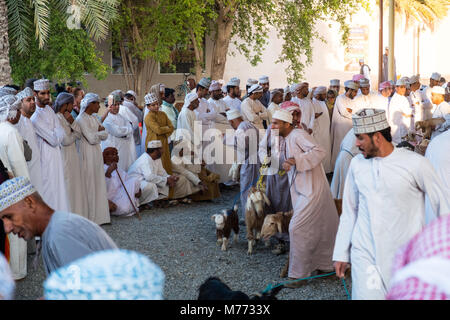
65, 236
386, 66
246, 139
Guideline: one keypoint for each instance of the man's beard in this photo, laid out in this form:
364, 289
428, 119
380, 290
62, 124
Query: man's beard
371, 152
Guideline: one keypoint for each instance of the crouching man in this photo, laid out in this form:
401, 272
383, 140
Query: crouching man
116, 181
65, 236
149, 169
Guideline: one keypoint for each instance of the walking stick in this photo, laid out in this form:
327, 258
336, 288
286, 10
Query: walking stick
126, 191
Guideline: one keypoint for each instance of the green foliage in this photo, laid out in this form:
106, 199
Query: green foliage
67, 56
27, 15
295, 22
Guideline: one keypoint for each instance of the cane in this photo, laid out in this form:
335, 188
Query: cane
126, 191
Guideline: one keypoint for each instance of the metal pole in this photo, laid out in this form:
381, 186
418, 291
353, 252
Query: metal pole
380, 46
391, 38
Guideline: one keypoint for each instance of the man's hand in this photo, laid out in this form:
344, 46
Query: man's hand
172, 180
138, 194
340, 268
101, 128
316, 115
203, 187
288, 164
68, 117
110, 169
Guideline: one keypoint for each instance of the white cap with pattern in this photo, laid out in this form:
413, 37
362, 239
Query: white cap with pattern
41, 85
369, 120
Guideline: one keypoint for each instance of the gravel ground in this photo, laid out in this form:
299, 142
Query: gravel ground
182, 241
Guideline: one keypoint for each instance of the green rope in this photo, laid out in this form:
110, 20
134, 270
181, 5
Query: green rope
270, 286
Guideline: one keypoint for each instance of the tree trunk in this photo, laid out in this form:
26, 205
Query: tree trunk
198, 51
5, 67
222, 39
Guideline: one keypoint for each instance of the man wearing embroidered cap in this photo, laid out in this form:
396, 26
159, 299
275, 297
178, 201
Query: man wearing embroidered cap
341, 121
12, 157
245, 141
92, 134
265, 98
248, 85
301, 97
314, 222
159, 127
366, 98
335, 84
234, 93
252, 109
50, 136
400, 112
428, 105
383, 205
107, 275
65, 236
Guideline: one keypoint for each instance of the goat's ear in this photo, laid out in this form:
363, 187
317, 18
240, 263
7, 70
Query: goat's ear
288, 213
235, 208
279, 226
213, 217
248, 204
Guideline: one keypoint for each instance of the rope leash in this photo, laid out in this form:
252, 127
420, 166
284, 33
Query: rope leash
270, 286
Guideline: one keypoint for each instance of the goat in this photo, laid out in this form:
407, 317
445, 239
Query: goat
254, 215
278, 222
215, 289
428, 126
226, 221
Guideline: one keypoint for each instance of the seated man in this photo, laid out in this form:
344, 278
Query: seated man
65, 236
116, 181
148, 168
204, 184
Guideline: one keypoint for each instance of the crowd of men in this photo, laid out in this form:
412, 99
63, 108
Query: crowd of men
66, 167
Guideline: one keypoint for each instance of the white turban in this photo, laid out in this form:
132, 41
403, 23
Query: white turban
320, 90
402, 82
351, 85
234, 82
192, 96
255, 88
364, 83
88, 98
214, 86
233, 114
14, 190
4, 91
9, 106
414, 79
438, 90
132, 93
25, 93
283, 115
335, 82
251, 82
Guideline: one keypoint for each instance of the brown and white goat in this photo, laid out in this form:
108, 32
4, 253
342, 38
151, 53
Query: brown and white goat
254, 215
226, 221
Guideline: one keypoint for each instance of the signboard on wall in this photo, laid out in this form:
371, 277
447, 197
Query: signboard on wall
357, 47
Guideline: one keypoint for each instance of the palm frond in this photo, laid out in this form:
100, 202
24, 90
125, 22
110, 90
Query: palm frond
20, 24
96, 16
41, 20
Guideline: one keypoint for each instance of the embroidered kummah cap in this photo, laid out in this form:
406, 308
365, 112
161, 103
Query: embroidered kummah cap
436, 76
234, 82
215, 86
364, 83
14, 190
154, 144
335, 82
402, 82
204, 82
9, 106
283, 115
264, 79
384, 85
150, 98
357, 77
233, 114
107, 275
351, 85
438, 90
320, 90
251, 82
255, 88
420, 267
41, 85
7, 91
88, 98
7, 284
369, 120
25, 93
